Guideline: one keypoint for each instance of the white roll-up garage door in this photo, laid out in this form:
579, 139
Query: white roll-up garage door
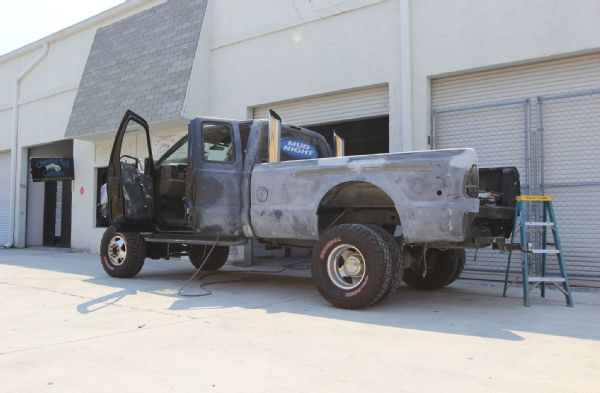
352, 105
491, 110
4, 195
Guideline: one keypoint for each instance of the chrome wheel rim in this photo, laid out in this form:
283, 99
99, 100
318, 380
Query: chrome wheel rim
117, 250
346, 267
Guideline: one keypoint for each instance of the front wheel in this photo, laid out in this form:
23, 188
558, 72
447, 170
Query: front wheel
122, 253
352, 266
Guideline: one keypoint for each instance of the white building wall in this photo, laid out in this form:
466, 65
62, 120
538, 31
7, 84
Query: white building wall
47, 93
271, 51
84, 235
9, 71
453, 37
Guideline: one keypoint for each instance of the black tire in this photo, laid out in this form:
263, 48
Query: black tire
122, 253
368, 250
443, 267
398, 266
215, 261
461, 257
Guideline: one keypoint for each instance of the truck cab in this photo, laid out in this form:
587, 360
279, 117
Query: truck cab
200, 186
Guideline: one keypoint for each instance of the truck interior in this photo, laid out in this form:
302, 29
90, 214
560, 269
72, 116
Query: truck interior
171, 179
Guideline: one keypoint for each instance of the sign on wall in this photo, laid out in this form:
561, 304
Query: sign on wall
52, 169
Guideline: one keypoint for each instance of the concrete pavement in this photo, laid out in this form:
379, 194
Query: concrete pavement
66, 326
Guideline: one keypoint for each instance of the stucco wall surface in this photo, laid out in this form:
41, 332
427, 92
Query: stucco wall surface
273, 51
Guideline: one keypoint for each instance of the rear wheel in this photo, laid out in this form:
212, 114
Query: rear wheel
122, 253
215, 261
398, 266
461, 257
352, 266
436, 269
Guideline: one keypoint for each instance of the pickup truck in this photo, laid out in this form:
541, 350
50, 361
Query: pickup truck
372, 221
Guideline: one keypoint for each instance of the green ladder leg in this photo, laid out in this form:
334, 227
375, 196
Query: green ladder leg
544, 234
561, 264
525, 252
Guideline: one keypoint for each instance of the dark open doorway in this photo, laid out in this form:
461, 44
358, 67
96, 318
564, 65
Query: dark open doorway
369, 136
57, 214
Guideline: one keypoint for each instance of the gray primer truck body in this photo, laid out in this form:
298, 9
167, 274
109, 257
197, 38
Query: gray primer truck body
424, 196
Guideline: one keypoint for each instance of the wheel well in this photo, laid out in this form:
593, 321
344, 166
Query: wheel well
357, 202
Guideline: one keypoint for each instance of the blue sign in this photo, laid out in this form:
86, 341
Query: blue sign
297, 148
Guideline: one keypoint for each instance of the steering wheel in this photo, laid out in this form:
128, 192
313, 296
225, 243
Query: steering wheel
138, 163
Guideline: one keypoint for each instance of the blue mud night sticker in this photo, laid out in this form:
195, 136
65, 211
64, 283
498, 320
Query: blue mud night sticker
297, 148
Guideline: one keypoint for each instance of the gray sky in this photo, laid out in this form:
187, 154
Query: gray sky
25, 21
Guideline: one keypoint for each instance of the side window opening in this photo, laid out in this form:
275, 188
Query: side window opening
134, 148
179, 156
217, 142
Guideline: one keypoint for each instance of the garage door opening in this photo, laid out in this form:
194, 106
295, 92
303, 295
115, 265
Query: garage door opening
369, 136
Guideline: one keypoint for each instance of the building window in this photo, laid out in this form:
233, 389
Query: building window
101, 213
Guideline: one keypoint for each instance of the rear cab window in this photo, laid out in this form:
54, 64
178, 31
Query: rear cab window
298, 144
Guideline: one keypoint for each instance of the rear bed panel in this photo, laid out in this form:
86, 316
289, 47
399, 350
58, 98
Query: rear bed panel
428, 189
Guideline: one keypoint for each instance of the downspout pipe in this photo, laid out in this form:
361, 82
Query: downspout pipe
15, 146
406, 74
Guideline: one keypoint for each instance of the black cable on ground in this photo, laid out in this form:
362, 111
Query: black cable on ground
197, 272
295, 266
203, 285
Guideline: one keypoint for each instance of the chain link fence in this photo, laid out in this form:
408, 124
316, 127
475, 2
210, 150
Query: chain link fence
555, 144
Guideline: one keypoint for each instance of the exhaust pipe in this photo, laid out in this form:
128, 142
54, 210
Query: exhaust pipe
274, 137
339, 145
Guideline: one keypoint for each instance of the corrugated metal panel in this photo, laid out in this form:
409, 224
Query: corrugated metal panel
471, 128
4, 195
544, 78
357, 104
571, 142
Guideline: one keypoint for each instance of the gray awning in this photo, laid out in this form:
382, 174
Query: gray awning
142, 63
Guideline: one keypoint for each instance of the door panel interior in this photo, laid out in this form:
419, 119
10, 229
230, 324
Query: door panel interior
138, 193
130, 185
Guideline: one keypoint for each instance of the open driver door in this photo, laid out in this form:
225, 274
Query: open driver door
130, 182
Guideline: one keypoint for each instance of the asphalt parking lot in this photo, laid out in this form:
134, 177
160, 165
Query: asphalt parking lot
67, 327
